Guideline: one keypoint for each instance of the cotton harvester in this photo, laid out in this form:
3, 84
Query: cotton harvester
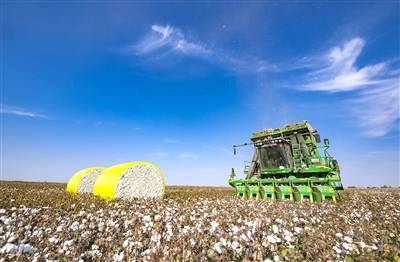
287, 164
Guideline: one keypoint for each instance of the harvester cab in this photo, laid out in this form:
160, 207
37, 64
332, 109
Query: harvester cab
288, 164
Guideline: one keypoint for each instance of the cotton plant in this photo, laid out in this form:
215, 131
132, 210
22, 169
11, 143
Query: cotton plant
198, 224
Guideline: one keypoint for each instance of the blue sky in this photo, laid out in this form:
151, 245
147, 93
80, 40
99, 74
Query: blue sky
86, 84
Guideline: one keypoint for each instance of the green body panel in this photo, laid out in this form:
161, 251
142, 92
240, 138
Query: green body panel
268, 192
254, 191
283, 192
290, 164
240, 190
302, 191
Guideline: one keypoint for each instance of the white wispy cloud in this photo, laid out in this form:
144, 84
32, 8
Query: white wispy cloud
188, 155
160, 154
379, 108
171, 40
171, 141
375, 86
338, 71
20, 112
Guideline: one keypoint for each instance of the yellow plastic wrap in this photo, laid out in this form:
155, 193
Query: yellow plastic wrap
107, 182
73, 183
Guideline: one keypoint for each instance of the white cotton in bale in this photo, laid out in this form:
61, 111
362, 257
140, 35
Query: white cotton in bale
84, 180
87, 182
140, 181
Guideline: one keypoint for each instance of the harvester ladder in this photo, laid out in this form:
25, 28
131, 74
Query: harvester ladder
253, 165
297, 155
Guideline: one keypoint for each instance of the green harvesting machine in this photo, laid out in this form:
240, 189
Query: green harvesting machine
289, 163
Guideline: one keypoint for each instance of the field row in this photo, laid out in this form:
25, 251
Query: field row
41, 221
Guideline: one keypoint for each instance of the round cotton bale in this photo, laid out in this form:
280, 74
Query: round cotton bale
131, 180
83, 180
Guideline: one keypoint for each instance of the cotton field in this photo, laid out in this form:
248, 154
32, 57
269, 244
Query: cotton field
40, 222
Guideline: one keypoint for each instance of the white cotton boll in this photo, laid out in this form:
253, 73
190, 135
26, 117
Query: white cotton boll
223, 241
235, 245
348, 239
9, 248
214, 226
275, 229
298, 230
288, 238
119, 257
5, 220
339, 235
125, 243
67, 244
74, 226
347, 246
235, 229
277, 239
156, 238
271, 239
186, 229
60, 228
244, 237
337, 250
192, 242
217, 247
53, 240
25, 248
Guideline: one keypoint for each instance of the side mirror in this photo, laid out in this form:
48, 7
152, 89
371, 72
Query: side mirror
233, 174
326, 141
317, 138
